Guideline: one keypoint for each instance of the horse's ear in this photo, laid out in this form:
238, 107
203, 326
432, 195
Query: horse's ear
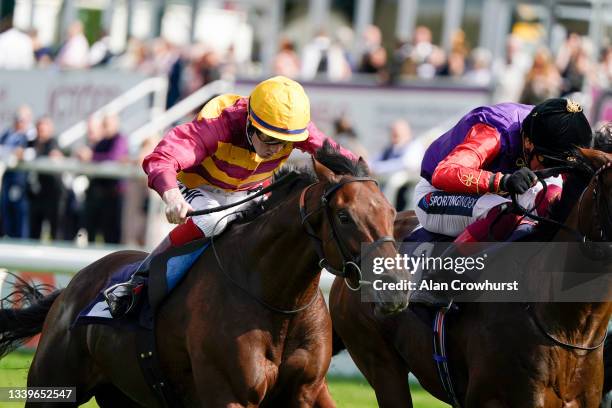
596, 158
322, 172
363, 165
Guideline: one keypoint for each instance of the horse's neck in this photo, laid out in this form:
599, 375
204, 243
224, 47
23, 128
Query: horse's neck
584, 321
579, 323
273, 257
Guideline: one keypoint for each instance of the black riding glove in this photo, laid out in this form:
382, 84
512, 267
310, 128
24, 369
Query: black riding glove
519, 181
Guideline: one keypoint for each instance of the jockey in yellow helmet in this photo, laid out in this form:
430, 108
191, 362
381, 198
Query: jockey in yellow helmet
233, 146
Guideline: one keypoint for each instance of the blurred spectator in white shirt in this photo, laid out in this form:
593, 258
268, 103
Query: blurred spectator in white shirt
398, 162
422, 50
322, 55
16, 49
74, 54
402, 153
100, 53
480, 72
510, 72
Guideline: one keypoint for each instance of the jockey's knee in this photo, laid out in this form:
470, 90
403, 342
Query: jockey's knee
544, 199
452, 219
445, 224
212, 224
185, 233
485, 204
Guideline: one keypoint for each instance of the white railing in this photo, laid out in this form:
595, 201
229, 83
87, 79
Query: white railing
36, 257
161, 122
158, 86
107, 169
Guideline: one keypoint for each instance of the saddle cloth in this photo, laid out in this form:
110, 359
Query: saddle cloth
166, 271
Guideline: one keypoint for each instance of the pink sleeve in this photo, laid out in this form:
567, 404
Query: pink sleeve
315, 141
183, 147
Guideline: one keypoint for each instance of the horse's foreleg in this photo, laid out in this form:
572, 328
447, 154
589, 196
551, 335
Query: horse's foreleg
375, 357
307, 396
389, 378
324, 399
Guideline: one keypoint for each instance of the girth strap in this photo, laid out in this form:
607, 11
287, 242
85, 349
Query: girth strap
148, 359
440, 356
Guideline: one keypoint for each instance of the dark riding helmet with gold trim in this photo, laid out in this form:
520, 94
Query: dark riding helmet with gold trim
557, 126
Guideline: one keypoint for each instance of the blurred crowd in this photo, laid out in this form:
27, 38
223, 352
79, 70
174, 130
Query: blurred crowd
59, 206
528, 73
114, 210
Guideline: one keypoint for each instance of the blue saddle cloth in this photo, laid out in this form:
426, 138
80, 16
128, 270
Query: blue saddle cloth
167, 270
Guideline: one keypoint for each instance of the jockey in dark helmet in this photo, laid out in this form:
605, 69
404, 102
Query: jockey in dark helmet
235, 144
468, 172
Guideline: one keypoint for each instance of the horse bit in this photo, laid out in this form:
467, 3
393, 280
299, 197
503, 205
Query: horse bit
349, 262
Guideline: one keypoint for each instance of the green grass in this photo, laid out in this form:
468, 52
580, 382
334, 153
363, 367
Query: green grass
347, 392
357, 393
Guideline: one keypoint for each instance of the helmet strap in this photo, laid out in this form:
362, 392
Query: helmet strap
527, 156
248, 135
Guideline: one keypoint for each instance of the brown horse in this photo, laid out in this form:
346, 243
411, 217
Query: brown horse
500, 354
248, 325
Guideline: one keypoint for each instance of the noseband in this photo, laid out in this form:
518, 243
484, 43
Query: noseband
349, 261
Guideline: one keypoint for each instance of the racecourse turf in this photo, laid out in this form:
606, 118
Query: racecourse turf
347, 392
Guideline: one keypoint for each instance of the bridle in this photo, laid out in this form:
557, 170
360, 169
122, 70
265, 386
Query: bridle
349, 261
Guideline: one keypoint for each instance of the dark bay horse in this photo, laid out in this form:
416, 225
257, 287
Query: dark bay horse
248, 325
499, 354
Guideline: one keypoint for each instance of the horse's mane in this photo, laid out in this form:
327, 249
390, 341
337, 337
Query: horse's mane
328, 155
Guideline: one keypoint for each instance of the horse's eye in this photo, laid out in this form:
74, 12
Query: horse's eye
344, 217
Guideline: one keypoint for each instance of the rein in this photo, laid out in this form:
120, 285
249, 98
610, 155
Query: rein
348, 260
280, 182
542, 175
248, 292
534, 316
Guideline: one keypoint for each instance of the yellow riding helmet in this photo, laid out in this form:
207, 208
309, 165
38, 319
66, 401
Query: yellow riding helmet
279, 108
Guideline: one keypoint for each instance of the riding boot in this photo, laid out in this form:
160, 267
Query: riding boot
122, 297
